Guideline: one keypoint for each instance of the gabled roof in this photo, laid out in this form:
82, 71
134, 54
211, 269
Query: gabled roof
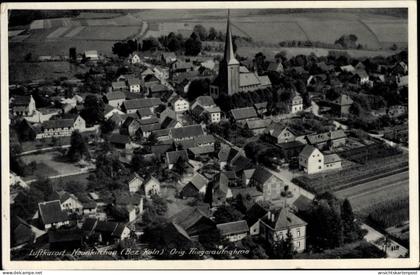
205, 101
199, 181
261, 175
348, 68
168, 122
187, 131
283, 219
204, 139
307, 151
174, 156
248, 79
200, 150
58, 123
331, 158
142, 112
142, 103
118, 85
230, 228
119, 139
115, 95
255, 212
156, 88
188, 217
343, 100
302, 203
258, 123
362, 73
51, 212
132, 81
264, 80
243, 113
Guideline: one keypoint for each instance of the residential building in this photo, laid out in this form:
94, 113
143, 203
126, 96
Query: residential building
131, 106
342, 105
179, 104
134, 84
135, 183
194, 221
276, 224
233, 231
296, 104
266, 182
311, 160
174, 157
52, 215
241, 115
23, 105
195, 187
61, 127
151, 187
257, 126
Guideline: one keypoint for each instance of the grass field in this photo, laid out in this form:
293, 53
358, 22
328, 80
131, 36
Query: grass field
364, 196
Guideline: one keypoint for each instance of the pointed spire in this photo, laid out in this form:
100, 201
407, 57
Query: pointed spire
229, 52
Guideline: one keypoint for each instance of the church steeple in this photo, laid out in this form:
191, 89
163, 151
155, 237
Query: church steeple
229, 55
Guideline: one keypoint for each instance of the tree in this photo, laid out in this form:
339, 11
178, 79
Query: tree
283, 249
351, 230
212, 34
193, 45
107, 126
198, 87
93, 113
78, 147
226, 213
201, 31
260, 62
256, 251
150, 43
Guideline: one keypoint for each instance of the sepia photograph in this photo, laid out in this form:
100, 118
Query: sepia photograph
227, 133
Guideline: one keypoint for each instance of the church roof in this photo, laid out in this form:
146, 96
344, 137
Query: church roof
229, 56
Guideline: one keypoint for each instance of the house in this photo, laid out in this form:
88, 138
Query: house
60, 240
151, 187
233, 231
186, 132
180, 66
275, 67
311, 160
118, 86
123, 213
348, 69
253, 216
61, 127
173, 235
52, 214
241, 115
168, 57
174, 157
291, 150
402, 81
131, 106
91, 55
157, 90
296, 104
119, 141
213, 114
194, 221
111, 111
275, 225
221, 190
266, 182
203, 101
325, 67
342, 105
23, 105
361, 76
68, 201
115, 99
169, 123
110, 231
134, 58
134, 84
247, 175
280, 133
335, 138
130, 127
147, 126
179, 104
332, 161
257, 126
135, 183
196, 186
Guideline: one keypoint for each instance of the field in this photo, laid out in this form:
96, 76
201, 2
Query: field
51, 164
273, 28
376, 169
364, 196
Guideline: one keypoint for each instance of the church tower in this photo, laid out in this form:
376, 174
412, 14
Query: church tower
229, 67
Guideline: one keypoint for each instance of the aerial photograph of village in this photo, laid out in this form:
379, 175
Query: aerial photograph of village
208, 134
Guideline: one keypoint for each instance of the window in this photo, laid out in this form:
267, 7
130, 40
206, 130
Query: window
319, 167
298, 244
319, 160
298, 232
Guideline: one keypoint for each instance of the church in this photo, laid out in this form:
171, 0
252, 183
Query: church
234, 78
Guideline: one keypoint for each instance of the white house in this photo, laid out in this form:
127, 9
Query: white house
115, 99
134, 85
61, 127
92, 55
296, 104
134, 58
135, 183
311, 160
151, 187
179, 104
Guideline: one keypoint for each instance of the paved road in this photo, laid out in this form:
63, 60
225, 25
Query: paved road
374, 238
